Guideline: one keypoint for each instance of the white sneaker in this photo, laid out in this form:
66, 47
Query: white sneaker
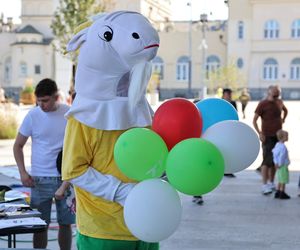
266, 189
272, 186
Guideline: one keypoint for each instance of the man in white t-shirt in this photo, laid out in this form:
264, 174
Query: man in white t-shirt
45, 124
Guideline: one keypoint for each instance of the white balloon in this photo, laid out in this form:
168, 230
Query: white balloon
238, 143
152, 210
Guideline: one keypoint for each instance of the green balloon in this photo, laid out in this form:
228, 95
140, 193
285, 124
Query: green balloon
141, 154
195, 166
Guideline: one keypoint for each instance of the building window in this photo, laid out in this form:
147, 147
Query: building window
270, 70
158, 66
37, 69
271, 29
212, 65
240, 63
296, 29
182, 69
23, 69
7, 70
240, 30
295, 69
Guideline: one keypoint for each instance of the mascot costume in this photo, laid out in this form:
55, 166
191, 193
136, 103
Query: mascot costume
111, 79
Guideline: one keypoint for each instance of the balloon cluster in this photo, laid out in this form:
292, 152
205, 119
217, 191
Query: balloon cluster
194, 145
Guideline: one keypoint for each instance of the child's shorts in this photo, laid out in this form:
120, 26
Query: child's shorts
283, 174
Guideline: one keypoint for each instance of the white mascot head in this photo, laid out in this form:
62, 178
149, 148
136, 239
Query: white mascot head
113, 71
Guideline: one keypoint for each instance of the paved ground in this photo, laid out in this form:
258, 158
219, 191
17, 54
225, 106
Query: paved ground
234, 216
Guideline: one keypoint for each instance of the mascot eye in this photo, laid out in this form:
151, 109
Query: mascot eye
135, 35
106, 34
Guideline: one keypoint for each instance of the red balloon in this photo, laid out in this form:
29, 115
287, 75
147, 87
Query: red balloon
177, 119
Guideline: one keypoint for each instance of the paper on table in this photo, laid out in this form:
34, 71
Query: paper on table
14, 195
12, 207
30, 221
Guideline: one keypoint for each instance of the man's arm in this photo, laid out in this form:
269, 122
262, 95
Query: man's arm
60, 192
255, 125
20, 141
285, 112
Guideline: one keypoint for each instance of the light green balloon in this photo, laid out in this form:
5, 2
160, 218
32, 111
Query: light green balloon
195, 166
141, 154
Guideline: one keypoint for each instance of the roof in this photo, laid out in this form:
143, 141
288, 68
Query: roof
46, 41
29, 30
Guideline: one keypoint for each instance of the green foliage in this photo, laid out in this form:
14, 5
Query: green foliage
9, 122
69, 15
28, 89
227, 76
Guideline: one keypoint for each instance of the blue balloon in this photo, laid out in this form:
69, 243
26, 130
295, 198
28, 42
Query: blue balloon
215, 110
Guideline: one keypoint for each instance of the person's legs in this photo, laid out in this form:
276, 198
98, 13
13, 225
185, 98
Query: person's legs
198, 199
284, 179
40, 240
282, 187
264, 174
65, 219
41, 199
268, 169
65, 237
266, 189
283, 194
277, 193
271, 174
243, 110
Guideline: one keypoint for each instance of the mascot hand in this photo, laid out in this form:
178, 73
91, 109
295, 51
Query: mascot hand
122, 192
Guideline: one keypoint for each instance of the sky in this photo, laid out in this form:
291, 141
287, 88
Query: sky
215, 9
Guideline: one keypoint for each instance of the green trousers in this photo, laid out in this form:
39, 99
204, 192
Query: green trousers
90, 243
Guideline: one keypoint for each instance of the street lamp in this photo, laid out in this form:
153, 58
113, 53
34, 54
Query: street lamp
203, 20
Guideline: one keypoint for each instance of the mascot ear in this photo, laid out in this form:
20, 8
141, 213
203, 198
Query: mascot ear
77, 40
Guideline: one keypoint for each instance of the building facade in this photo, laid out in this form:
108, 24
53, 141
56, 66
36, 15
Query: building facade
264, 40
27, 54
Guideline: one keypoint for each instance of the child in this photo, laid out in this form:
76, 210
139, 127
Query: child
281, 161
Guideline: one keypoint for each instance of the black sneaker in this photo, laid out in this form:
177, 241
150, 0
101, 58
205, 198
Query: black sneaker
284, 196
230, 175
277, 194
198, 200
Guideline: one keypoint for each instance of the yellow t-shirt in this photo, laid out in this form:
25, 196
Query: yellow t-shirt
83, 147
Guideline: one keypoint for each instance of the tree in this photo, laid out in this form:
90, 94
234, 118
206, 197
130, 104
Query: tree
68, 16
227, 76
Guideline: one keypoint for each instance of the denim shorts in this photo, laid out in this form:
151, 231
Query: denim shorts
42, 195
